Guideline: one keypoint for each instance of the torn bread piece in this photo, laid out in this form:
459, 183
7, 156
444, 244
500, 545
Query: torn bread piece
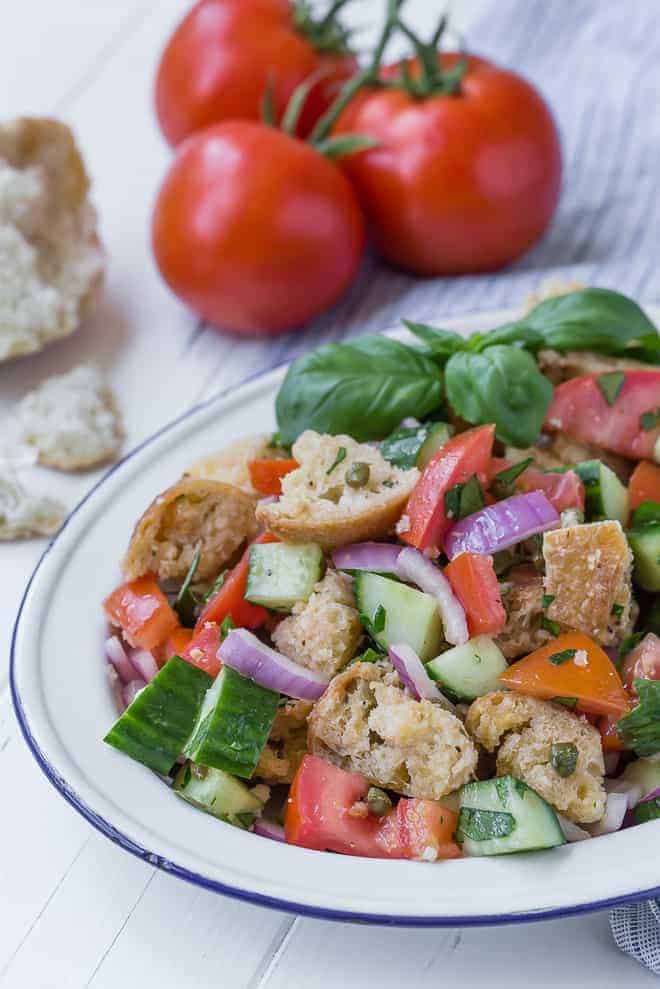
287, 743
231, 463
588, 578
72, 420
24, 515
343, 492
51, 260
523, 600
193, 514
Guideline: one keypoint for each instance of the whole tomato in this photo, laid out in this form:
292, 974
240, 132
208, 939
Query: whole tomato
463, 179
255, 230
226, 53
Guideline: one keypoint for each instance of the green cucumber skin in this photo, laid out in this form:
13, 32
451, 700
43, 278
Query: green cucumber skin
154, 729
281, 574
457, 671
645, 544
413, 446
217, 793
605, 497
438, 435
233, 734
411, 616
536, 823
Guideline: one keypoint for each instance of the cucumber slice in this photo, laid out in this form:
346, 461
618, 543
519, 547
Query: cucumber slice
605, 496
233, 724
413, 446
393, 612
218, 793
280, 574
505, 815
470, 670
154, 728
645, 544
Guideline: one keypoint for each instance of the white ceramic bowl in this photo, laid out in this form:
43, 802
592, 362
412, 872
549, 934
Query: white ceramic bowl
64, 707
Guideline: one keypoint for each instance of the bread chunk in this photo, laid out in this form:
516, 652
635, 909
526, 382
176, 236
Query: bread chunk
523, 731
230, 464
523, 602
367, 723
319, 505
213, 516
23, 515
287, 743
51, 261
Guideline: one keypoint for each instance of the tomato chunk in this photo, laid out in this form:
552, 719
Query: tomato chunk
580, 410
266, 475
562, 490
572, 665
202, 650
230, 601
456, 462
142, 611
610, 738
641, 663
318, 816
475, 584
174, 645
644, 484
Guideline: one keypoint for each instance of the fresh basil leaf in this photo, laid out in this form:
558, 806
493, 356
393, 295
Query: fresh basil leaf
363, 387
647, 513
558, 658
640, 730
464, 499
440, 343
646, 349
610, 384
517, 334
649, 420
503, 482
368, 656
502, 385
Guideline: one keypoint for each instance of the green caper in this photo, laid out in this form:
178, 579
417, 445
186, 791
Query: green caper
378, 801
357, 475
563, 758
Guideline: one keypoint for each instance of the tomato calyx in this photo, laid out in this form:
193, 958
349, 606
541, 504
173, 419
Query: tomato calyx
432, 78
326, 33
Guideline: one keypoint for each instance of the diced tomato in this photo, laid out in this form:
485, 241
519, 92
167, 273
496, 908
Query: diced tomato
474, 582
317, 816
563, 491
230, 598
202, 650
266, 475
174, 645
142, 612
580, 410
641, 663
456, 462
587, 674
644, 484
610, 737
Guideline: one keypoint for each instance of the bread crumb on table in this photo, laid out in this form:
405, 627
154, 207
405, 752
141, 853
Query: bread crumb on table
24, 515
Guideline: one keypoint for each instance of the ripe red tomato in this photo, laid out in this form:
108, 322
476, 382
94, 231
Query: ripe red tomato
142, 611
457, 183
474, 582
256, 231
562, 490
224, 54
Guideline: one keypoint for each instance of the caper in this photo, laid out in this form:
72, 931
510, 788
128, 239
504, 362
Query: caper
357, 474
563, 758
378, 801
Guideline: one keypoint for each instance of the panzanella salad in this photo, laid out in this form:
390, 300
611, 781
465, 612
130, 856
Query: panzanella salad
422, 620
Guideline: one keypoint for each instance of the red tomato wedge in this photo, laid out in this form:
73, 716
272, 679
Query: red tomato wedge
580, 410
562, 490
202, 650
142, 612
642, 663
317, 816
572, 665
474, 582
610, 738
455, 463
266, 475
174, 644
644, 484
230, 598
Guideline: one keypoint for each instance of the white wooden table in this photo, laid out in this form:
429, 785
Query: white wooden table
75, 910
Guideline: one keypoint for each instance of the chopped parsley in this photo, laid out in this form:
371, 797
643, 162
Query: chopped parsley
215, 586
484, 825
640, 730
570, 702
558, 658
378, 621
563, 758
553, 627
186, 601
617, 610
464, 499
547, 600
649, 420
227, 625
368, 656
610, 384
341, 455
503, 482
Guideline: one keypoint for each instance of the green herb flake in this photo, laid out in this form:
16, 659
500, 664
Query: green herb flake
554, 628
184, 604
640, 730
227, 625
378, 621
484, 825
617, 610
610, 384
342, 453
503, 483
464, 499
558, 658
649, 420
563, 758
547, 600
215, 586
570, 702
502, 790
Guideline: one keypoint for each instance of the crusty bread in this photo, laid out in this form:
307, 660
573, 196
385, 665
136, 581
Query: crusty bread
365, 722
51, 262
286, 745
324, 632
573, 364
72, 420
523, 730
588, 572
231, 463
192, 514
23, 515
317, 505
523, 602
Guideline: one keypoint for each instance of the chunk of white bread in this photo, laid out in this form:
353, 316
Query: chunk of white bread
24, 515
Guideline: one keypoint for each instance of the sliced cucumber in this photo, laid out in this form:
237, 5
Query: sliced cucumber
505, 815
154, 728
233, 724
218, 793
280, 574
413, 446
645, 544
393, 612
605, 497
470, 670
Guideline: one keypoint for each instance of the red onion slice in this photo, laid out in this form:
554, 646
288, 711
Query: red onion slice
414, 566
268, 829
632, 790
572, 831
245, 653
413, 676
131, 690
144, 663
116, 654
612, 820
499, 526
378, 557
117, 689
